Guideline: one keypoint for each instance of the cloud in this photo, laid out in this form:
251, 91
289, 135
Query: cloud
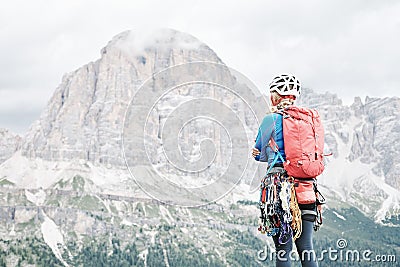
19, 120
347, 47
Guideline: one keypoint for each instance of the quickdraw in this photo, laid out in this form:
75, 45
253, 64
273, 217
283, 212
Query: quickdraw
266, 205
319, 202
274, 204
284, 196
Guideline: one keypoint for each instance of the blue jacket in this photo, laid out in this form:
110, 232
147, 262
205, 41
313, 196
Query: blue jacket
270, 126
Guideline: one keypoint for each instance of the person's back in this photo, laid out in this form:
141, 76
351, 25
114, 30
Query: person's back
271, 127
269, 147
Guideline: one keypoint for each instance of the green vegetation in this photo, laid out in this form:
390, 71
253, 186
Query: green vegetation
180, 255
394, 220
27, 224
104, 254
30, 250
5, 182
360, 233
244, 248
198, 237
87, 202
35, 251
247, 202
62, 184
78, 183
152, 210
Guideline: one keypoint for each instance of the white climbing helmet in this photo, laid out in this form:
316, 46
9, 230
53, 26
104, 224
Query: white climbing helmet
286, 84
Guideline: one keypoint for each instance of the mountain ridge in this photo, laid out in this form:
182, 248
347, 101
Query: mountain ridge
68, 199
83, 122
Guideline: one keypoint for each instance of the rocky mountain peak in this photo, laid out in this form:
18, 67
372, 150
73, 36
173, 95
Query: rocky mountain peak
166, 46
83, 119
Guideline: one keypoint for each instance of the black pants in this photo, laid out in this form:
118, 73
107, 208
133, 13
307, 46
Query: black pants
304, 248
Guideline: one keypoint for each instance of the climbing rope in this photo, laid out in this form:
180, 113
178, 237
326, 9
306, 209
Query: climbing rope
296, 214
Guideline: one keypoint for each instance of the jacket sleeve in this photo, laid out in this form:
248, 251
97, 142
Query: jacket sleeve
263, 136
258, 144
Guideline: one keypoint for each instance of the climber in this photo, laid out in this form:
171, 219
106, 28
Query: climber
275, 199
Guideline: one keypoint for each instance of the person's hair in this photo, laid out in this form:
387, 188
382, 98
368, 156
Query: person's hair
283, 101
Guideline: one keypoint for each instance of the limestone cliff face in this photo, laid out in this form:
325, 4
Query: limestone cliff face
376, 140
84, 117
369, 130
363, 138
9, 143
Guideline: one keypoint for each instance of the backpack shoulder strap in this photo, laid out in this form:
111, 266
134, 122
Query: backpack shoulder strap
277, 156
274, 146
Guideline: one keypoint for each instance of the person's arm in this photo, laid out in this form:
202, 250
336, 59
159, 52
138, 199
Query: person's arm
264, 134
257, 147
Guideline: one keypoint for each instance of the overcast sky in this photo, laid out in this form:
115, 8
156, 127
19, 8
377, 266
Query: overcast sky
347, 47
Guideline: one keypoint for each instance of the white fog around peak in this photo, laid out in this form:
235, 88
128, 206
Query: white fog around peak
135, 42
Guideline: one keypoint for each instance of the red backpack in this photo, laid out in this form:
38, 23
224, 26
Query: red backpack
303, 136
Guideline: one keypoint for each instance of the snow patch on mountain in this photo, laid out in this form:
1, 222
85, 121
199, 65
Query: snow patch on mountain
339, 216
391, 205
53, 237
355, 182
37, 198
31, 174
12, 231
39, 174
166, 215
